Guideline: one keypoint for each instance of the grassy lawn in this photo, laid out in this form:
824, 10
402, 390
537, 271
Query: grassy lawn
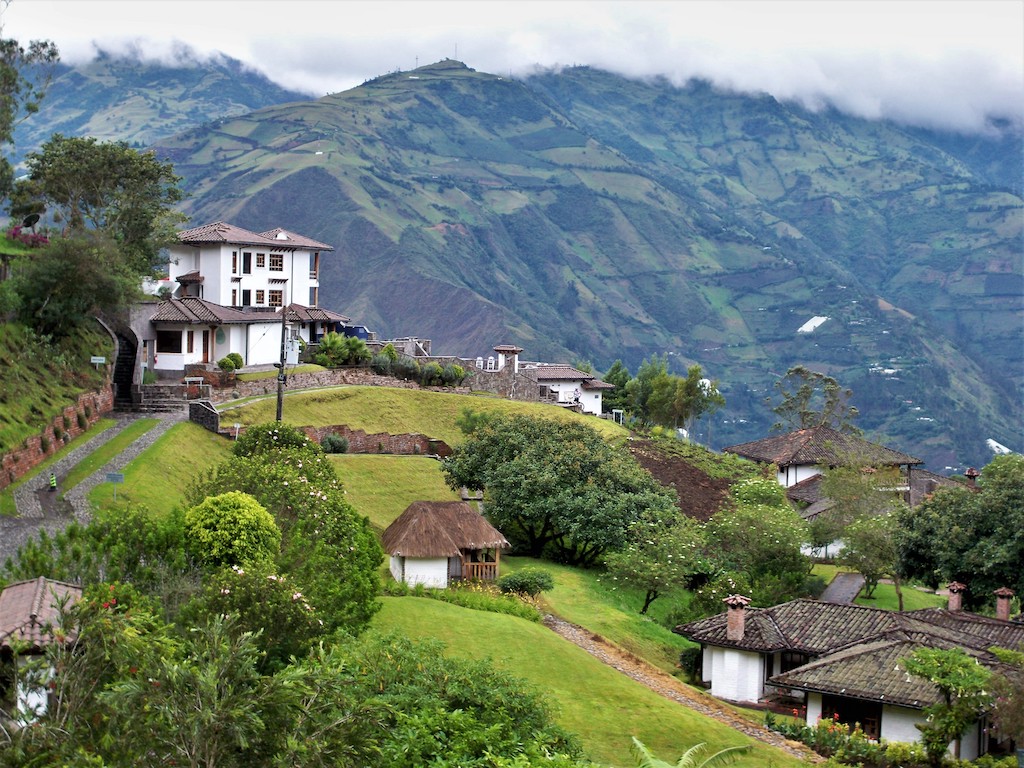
7, 495
258, 375
397, 411
381, 487
589, 599
157, 477
107, 451
604, 707
884, 596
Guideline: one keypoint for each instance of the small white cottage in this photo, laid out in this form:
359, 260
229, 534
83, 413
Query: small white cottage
436, 542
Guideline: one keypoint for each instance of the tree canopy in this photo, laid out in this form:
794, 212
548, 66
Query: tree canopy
975, 537
108, 186
555, 487
809, 399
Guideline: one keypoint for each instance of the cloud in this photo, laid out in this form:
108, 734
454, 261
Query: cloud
945, 63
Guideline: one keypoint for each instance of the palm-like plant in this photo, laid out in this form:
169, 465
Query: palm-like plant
691, 758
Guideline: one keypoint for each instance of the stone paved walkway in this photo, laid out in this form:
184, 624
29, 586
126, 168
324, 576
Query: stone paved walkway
38, 510
844, 588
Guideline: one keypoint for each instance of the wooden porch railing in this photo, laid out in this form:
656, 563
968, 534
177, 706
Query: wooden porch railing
480, 571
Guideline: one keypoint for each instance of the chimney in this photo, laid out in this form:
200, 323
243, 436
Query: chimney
956, 598
1003, 597
972, 476
736, 617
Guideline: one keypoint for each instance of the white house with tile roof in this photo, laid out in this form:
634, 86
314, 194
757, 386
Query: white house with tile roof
228, 289
568, 386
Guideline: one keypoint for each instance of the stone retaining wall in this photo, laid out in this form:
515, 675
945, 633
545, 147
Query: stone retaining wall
410, 444
36, 449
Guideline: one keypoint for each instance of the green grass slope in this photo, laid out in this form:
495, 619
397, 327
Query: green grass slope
38, 379
397, 411
595, 701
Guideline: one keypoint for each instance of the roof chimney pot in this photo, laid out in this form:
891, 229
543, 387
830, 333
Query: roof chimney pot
736, 617
956, 599
1003, 597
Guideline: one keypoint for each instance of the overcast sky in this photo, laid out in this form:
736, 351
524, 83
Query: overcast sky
941, 63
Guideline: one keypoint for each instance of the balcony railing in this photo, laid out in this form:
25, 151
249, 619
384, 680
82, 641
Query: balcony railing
480, 571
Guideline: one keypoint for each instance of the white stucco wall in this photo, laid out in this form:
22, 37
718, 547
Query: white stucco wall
813, 707
735, 675
795, 474
430, 572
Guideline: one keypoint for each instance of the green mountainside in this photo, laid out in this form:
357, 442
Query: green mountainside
117, 98
586, 216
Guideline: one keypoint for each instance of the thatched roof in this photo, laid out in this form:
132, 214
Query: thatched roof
440, 529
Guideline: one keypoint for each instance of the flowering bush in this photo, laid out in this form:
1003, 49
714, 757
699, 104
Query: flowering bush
31, 239
261, 599
274, 436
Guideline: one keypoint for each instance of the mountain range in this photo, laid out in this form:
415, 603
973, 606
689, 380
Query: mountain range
590, 217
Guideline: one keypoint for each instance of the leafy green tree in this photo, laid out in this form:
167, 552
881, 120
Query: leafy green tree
660, 557
759, 535
203, 706
327, 548
231, 529
109, 186
556, 486
677, 401
283, 623
962, 683
691, 758
639, 389
809, 399
616, 399
25, 74
869, 547
64, 283
974, 537
859, 490
1008, 694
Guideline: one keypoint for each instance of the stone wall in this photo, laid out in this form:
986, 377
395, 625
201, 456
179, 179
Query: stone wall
332, 378
203, 413
410, 444
89, 407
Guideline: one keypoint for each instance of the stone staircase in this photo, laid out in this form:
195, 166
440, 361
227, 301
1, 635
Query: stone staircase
124, 369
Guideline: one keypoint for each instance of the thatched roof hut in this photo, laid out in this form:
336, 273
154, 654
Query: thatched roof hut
440, 529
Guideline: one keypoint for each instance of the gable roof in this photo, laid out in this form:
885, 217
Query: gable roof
29, 611
818, 628
560, 373
192, 310
283, 239
821, 445
311, 314
440, 529
874, 671
222, 232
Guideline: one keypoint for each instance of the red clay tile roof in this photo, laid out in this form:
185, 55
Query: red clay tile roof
30, 610
509, 348
192, 310
440, 529
310, 314
820, 445
222, 232
818, 628
285, 239
559, 373
190, 277
873, 671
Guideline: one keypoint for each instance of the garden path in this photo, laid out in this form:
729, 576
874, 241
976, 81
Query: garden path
671, 688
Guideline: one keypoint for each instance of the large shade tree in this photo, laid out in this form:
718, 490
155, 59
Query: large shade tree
972, 536
556, 488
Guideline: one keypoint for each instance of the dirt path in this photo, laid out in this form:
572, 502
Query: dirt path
667, 686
